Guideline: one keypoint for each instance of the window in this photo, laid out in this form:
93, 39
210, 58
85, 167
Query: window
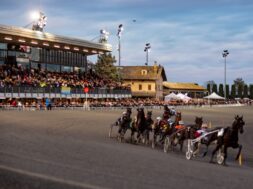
144, 72
140, 87
149, 87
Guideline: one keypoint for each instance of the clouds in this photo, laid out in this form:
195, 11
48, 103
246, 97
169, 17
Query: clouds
187, 37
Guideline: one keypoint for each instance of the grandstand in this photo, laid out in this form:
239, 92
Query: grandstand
35, 64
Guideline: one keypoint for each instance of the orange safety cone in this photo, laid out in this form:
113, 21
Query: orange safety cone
240, 159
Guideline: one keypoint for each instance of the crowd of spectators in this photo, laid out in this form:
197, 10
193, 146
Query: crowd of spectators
107, 103
13, 76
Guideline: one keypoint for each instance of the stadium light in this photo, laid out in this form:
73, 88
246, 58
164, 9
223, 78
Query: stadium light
104, 35
120, 30
40, 22
35, 15
146, 49
225, 54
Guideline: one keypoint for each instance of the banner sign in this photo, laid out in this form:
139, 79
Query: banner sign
65, 90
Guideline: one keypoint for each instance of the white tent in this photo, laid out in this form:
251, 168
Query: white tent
183, 97
171, 96
214, 96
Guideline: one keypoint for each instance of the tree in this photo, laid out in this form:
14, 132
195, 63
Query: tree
105, 66
240, 90
210, 84
239, 84
208, 88
221, 90
227, 91
251, 91
245, 91
215, 88
233, 91
239, 81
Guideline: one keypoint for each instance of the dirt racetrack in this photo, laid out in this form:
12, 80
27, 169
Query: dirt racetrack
71, 149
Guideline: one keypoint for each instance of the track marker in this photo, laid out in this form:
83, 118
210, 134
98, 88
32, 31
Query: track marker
240, 159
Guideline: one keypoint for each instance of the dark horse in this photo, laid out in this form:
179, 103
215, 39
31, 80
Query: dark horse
141, 124
230, 139
124, 123
167, 112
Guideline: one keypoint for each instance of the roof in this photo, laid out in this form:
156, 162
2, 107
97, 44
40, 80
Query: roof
28, 36
183, 86
214, 96
135, 72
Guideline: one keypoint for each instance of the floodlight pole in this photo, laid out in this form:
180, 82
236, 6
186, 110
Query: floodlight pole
120, 29
146, 49
225, 54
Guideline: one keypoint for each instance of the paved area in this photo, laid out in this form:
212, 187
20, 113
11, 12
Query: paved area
71, 149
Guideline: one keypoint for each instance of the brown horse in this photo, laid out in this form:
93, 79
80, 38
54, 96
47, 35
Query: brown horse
230, 139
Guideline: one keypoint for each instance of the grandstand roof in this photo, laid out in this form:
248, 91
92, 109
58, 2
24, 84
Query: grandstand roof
142, 72
183, 86
42, 39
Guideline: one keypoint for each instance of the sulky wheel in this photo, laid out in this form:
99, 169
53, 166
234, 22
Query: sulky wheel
220, 157
166, 144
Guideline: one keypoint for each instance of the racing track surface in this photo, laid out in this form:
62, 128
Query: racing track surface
71, 149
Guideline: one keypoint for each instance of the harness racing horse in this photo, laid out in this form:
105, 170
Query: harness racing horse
183, 133
123, 123
168, 112
140, 126
229, 139
164, 127
149, 125
177, 134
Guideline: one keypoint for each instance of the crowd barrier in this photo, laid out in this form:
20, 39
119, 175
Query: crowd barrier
92, 108
57, 92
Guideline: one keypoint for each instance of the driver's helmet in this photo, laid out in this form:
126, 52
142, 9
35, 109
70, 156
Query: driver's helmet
124, 113
204, 126
170, 121
173, 111
158, 118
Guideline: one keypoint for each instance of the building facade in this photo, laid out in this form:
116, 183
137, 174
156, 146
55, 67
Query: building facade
193, 90
29, 48
145, 81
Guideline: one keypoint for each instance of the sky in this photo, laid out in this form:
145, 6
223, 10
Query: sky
187, 37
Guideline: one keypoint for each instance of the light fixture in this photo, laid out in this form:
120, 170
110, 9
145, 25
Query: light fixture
46, 44
57, 46
85, 50
76, 49
8, 38
34, 42
41, 21
21, 40
104, 36
66, 47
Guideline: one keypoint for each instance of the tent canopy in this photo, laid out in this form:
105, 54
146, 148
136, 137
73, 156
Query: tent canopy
183, 97
214, 96
171, 96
